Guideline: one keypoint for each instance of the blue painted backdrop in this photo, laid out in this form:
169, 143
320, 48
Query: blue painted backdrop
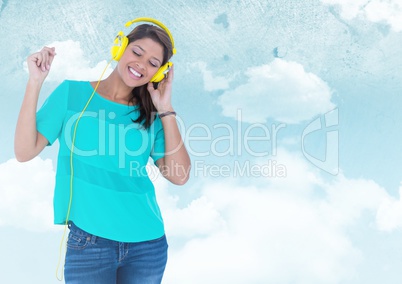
289, 109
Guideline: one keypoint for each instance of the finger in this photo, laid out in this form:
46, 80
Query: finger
44, 61
53, 54
50, 50
38, 57
170, 74
48, 55
150, 87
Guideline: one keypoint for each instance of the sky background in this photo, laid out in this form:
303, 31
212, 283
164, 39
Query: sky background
289, 110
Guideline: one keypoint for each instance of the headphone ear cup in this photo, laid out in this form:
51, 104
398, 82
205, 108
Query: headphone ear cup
161, 73
119, 46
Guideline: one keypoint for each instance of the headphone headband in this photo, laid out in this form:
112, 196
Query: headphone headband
156, 22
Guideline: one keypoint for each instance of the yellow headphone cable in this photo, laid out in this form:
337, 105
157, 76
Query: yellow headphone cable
72, 172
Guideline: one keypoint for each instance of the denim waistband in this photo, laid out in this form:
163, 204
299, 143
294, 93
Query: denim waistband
79, 232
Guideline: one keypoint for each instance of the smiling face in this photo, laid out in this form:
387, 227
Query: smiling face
140, 61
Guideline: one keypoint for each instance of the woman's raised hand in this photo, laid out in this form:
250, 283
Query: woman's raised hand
39, 63
161, 97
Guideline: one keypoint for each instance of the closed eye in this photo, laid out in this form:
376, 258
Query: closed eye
154, 64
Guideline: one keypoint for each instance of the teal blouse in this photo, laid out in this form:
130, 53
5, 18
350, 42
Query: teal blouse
113, 196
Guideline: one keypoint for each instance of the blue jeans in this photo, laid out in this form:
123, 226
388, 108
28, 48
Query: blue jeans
92, 259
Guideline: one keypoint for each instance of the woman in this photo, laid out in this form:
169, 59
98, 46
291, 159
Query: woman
116, 229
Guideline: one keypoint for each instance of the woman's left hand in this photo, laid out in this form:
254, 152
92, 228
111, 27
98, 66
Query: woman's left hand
161, 97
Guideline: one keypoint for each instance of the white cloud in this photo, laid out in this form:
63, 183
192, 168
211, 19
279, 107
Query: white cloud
198, 218
282, 90
241, 230
389, 215
211, 81
26, 194
377, 11
279, 229
71, 63
348, 199
385, 11
349, 9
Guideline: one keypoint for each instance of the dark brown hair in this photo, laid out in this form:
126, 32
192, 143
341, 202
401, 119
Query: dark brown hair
140, 95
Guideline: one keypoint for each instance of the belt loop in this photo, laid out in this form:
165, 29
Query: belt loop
93, 239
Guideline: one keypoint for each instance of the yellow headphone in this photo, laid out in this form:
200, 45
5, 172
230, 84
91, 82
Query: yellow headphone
121, 42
